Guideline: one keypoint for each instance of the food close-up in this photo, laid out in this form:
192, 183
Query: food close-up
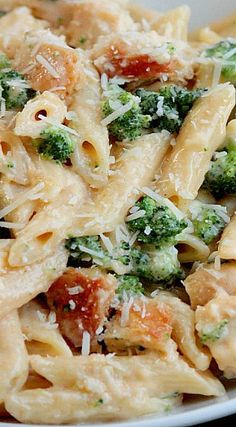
117, 210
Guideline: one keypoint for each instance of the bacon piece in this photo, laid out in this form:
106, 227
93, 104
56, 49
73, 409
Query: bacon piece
81, 300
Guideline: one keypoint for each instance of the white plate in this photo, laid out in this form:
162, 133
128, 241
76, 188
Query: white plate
203, 11
196, 412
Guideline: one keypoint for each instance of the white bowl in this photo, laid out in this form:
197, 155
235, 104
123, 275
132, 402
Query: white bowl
203, 11
197, 410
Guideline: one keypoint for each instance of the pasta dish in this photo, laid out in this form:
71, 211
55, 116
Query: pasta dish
117, 206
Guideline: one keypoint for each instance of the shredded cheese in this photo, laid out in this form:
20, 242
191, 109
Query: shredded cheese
107, 243
21, 199
44, 62
163, 201
75, 290
59, 125
12, 225
85, 344
91, 252
216, 73
139, 214
118, 113
125, 311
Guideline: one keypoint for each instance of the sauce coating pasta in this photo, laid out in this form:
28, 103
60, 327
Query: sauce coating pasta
117, 210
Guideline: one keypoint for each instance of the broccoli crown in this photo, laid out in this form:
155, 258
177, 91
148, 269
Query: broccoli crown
168, 107
156, 265
55, 144
158, 225
15, 90
220, 180
130, 285
129, 125
222, 51
208, 224
215, 333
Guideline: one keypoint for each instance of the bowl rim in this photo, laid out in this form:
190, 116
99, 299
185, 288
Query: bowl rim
190, 417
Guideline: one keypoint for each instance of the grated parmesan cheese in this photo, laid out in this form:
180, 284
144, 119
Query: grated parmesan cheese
160, 110
230, 53
217, 263
139, 214
12, 225
125, 311
72, 304
147, 230
59, 125
118, 113
216, 73
44, 62
104, 81
99, 330
163, 201
133, 238
85, 344
91, 252
21, 199
107, 243
75, 290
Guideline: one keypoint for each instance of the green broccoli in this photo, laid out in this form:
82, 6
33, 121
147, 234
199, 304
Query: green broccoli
158, 225
222, 51
4, 61
160, 266
81, 248
55, 144
168, 107
208, 222
75, 246
130, 285
15, 89
215, 333
145, 262
2, 13
220, 180
130, 124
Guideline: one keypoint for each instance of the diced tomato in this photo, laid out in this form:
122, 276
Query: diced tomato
83, 308
136, 66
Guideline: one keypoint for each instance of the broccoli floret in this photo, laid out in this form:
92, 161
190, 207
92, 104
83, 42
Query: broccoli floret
139, 262
220, 180
15, 90
215, 333
130, 124
168, 107
82, 248
156, 265
75, 246
208, 222
221, 51
130, 285
158, 225
4, 61
55, 144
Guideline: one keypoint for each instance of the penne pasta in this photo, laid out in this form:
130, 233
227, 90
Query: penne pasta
117, 210
202, 133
